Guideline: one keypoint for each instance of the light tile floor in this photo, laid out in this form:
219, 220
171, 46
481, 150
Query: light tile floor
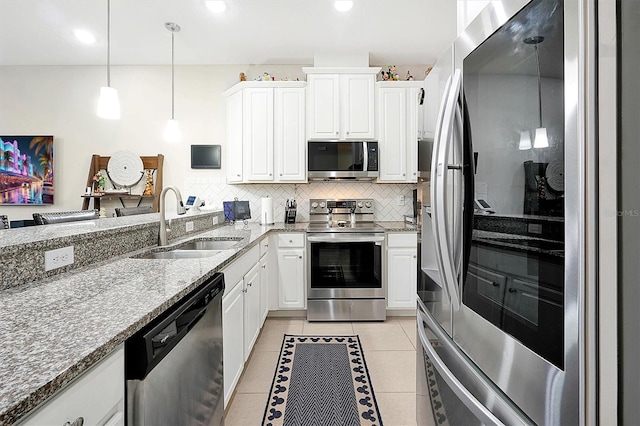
389, 349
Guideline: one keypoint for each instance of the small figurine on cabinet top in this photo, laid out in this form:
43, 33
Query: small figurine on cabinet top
243, 77
426, 73
409, 76
265, 77
148, 183
99, 182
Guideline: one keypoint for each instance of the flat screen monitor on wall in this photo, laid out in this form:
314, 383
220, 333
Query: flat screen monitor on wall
26, 170
205, 157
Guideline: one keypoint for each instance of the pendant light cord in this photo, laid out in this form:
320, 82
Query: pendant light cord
539, 86
108, 43
172, 78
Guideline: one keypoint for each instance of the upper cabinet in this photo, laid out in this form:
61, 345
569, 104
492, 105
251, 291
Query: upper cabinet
341, 103
398, 122
266, 132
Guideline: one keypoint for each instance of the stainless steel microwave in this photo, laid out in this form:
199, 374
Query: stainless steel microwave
348, 160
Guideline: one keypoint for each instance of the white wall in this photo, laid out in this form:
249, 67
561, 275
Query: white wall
61, 100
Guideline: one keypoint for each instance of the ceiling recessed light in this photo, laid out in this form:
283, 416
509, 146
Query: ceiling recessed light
216, 6
84, 36
343, 5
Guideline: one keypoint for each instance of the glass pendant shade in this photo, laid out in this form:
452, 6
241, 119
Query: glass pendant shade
525, 140
108, 104
172, 131
540, 140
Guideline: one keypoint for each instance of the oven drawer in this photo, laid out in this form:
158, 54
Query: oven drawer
405, 239
290, 240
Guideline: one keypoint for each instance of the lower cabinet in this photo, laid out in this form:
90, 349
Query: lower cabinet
94, 398
402, 264
233, 340
252, 314
291, 271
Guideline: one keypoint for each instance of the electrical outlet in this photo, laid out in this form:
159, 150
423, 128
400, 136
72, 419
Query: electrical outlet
58, 258
400, 201
215, 220
189, 226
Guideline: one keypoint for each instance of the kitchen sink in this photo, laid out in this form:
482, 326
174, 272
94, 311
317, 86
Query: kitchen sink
209, 245
193, 249
178, 254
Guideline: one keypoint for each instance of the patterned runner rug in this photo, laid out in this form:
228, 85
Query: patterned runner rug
321, 381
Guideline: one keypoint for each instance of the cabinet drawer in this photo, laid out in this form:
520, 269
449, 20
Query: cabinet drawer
264, 246
291, 240
234, 272
405, 239
91, 396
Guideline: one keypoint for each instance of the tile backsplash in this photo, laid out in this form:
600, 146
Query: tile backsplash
214, 191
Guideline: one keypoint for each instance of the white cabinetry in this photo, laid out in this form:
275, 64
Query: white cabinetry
238, 325
97, 396
266, 132
252, 314
398, 108
341, 103
291, 271
233, 336
265, 278
434, 85
402, 264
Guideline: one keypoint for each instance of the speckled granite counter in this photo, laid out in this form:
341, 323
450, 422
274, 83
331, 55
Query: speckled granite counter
54, 329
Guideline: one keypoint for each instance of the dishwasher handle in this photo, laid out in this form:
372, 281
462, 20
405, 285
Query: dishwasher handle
145, 349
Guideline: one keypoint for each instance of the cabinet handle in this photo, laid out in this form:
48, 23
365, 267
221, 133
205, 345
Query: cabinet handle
336, 133
270, 174
249, 285
512, 290
415, 256
264, 266
404, 174
291, 241
244, 290
280, 174
77, 422
299, 257
237, 175
495, 284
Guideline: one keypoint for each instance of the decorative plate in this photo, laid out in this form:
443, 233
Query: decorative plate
555, 175
125, 168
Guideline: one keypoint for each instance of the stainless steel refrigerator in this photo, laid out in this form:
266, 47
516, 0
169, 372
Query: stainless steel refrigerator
503, 307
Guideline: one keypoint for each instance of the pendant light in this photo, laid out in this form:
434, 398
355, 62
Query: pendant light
108, 104
172, 129
540, 139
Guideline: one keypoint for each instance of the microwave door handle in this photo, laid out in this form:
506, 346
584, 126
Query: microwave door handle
443, 227
365, 155
467, 398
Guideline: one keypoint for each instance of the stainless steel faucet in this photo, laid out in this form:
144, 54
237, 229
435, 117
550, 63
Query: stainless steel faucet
162, 236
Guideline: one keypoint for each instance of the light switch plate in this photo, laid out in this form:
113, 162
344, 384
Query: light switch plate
189, 226
215, 220
58, 258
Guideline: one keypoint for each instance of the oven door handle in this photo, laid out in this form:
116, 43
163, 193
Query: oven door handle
337, 238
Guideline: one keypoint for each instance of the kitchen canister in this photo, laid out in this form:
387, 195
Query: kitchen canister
267, 211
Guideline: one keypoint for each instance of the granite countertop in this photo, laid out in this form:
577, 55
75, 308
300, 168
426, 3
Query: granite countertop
86, 313
52, 330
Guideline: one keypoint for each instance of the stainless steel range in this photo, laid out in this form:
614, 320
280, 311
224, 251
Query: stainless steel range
345, 250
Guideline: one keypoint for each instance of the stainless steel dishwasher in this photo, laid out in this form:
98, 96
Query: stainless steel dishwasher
173, 366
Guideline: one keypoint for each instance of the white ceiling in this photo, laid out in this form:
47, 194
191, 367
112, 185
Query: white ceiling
40, 32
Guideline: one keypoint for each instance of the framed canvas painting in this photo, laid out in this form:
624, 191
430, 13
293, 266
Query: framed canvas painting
26, 170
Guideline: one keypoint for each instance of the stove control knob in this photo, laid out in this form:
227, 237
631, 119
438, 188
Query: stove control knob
360, 204
322, 205
367, 204
314, 205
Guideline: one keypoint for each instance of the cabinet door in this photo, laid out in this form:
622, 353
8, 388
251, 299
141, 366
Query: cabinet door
233, 146
257, 134
291, 279
402, 278
357, 106
232, 338
392, 104
264, 288
324, 106
251, 309
290, 142
97, 396
413, 118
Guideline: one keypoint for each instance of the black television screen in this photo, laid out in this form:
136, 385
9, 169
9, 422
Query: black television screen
205, 157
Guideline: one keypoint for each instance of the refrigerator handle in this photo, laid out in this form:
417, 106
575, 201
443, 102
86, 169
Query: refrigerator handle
466, 397
445, 237
459, 188
434, 183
